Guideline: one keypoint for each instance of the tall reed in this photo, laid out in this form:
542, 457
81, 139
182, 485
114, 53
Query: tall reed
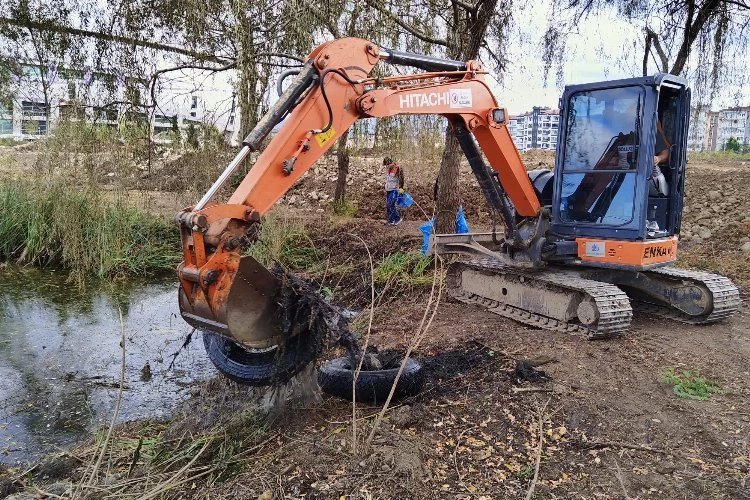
79, 229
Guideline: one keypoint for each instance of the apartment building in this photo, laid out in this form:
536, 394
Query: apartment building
710, 130
536, 129
43, 96
699, 132
733, 122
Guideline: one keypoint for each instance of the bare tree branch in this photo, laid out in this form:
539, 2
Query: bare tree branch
646, 52
692, 28
58, 28
155, 76
739, 4
408, 27
466, 6
659, 50
279, 54
498, 60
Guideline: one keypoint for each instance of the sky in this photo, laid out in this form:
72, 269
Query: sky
593, 54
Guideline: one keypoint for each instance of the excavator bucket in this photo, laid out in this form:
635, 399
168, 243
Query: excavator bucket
246, 314
247, 337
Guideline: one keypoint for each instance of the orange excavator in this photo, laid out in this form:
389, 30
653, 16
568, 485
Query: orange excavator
578, 248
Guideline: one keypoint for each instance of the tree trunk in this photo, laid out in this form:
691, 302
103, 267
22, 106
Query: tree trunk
464, 44
448, 196
248, 97
247, 92
695, 22
342, 156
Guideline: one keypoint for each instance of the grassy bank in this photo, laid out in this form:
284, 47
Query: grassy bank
78, 229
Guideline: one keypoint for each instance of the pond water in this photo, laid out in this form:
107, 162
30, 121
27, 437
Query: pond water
60, 357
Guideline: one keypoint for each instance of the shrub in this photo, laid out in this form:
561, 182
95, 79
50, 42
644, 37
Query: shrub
404, 268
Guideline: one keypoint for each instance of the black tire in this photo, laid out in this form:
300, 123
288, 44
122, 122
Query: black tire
259, 367
335, 378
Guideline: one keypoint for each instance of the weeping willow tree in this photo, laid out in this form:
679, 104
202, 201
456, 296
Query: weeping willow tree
254, 39
455, 29
706, 41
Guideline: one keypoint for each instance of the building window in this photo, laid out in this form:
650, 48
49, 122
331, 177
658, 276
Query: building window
34, 127
6, 126
34, 108
193, 106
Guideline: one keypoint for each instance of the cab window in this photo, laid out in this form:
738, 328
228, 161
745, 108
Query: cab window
600, 156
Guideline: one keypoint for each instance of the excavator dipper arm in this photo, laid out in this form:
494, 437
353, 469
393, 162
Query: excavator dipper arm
235, 297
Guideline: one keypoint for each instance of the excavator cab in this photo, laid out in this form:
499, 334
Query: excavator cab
608, 182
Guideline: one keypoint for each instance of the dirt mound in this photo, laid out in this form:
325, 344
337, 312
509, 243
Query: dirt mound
365, 187
716, 221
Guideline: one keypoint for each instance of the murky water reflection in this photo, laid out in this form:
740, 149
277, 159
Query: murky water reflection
60, 357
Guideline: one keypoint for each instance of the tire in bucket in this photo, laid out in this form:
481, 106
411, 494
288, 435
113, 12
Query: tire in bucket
335, 378
259, 367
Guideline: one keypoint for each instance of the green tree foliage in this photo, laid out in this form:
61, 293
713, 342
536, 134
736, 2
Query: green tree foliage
733, 144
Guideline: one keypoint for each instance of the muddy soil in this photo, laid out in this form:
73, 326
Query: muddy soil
610, 428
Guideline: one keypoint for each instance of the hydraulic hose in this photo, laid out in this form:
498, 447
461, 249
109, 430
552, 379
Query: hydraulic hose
302, 81
282, 77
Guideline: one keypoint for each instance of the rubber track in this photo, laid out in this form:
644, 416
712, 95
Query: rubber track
726, 297
612, 303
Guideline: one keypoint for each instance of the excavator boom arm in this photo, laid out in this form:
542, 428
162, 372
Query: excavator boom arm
344, 94
231, 295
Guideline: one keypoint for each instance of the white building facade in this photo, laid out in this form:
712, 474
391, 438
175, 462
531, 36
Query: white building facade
733, 122
710, 130
536, 129
42, 97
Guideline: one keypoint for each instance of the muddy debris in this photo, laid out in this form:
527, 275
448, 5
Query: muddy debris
526, 371
146, 372
457, 362
303, 311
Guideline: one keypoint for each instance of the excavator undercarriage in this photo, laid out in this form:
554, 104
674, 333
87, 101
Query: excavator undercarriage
598, 303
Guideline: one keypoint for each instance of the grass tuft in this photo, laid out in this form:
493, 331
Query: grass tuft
689, 383
78, 229
711, 156
404, 268
345, 207
284, 241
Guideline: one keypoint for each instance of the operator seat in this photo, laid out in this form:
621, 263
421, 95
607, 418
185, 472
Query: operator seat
657, 183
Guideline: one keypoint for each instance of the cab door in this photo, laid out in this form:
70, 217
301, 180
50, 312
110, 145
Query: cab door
671, 119
600, 163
